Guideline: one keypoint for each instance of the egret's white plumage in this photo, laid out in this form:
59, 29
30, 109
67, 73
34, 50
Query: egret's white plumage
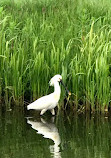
48, 102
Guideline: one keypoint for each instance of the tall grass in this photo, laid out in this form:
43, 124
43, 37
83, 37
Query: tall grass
39, 39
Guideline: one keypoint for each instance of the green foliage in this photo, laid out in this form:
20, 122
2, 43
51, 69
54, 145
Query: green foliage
39, 39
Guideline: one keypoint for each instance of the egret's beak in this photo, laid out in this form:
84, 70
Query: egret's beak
69, 93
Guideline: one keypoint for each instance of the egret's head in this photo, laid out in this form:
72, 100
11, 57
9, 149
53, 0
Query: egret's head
56, 78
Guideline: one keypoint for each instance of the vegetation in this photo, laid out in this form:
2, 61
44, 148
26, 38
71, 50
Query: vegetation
39, 39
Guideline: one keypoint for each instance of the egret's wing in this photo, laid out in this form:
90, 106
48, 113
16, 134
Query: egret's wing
42, 103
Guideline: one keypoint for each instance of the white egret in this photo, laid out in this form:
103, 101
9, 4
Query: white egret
49, 102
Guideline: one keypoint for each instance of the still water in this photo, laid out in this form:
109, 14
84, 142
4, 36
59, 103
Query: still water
26, 135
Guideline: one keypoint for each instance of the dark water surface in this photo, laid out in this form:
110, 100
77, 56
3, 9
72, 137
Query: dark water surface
27, 135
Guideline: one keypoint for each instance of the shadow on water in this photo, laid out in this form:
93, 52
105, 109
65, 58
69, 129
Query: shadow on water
64, 136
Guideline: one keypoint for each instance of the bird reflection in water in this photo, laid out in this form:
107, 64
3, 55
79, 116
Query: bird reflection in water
48, 130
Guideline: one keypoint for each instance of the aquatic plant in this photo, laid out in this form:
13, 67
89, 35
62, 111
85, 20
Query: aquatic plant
39, 39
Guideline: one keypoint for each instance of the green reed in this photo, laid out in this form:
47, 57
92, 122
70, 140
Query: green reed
44, 38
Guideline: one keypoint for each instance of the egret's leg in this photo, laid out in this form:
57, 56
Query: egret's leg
52, 111
43, 111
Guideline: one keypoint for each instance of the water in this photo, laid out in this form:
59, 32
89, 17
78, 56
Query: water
26, 135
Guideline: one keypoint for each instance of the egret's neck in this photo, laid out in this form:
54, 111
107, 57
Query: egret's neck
57, 89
